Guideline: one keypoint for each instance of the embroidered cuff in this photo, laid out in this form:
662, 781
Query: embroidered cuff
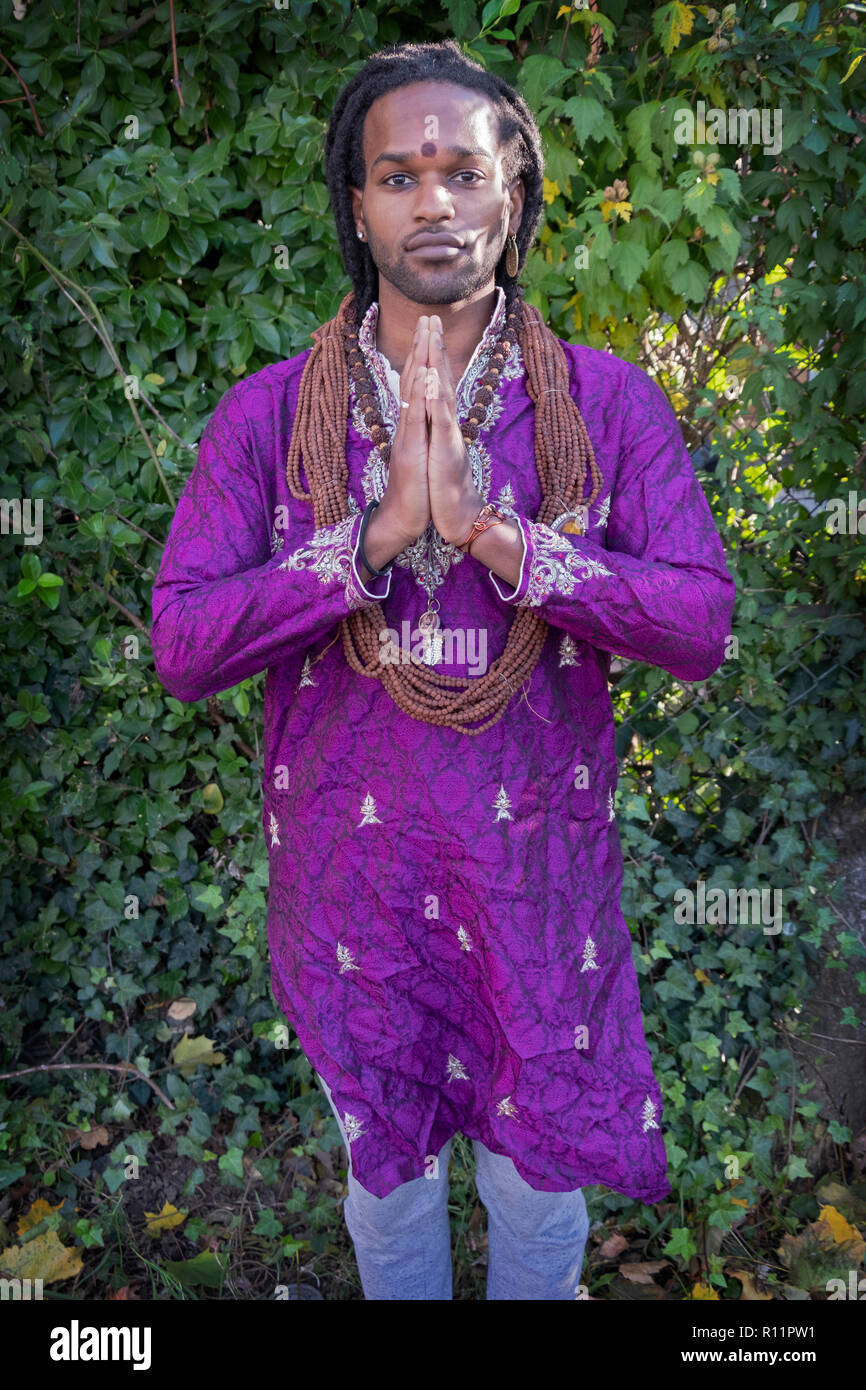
525, 563
331, 553
551, 566
554, 564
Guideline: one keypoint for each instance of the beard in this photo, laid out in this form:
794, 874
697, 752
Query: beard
442, 284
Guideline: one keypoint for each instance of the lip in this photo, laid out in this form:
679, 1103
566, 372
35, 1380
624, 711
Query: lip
427, 240
436, 251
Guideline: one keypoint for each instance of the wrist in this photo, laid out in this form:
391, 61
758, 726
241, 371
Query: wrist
382, 540
469, 515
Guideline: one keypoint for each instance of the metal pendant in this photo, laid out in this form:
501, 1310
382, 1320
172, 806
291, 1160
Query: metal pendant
432, 648
429, 621
428, 625
576, 523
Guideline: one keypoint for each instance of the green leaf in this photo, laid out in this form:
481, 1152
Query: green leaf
206, 1269
681, 1244
155, 226
627, 260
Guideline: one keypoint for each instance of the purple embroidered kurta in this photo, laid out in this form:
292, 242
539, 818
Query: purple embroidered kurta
444, 913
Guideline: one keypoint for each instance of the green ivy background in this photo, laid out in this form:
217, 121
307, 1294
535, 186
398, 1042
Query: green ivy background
164, 231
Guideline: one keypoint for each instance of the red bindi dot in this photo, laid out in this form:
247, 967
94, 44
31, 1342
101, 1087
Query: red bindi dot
428, 149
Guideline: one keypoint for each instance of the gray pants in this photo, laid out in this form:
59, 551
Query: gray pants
402, 1242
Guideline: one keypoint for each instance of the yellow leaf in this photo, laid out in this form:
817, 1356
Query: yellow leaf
679, 22
679, 403
740, 1202
160, 448
551, 190
157, 1222
700, 975
43, 1257
842, 1229
38, 1212
563, 9
622, 210
155, 379
855, 62
705, 1291
189, 1051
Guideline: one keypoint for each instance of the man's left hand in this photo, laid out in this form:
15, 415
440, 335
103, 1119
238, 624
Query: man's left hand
454, 499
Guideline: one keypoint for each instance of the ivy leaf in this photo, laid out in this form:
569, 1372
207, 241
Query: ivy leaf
681, 1244
190, 1051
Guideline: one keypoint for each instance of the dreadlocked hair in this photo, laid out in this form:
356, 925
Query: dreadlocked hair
563, 451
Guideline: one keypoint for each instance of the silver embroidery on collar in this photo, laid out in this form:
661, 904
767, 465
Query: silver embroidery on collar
375, 476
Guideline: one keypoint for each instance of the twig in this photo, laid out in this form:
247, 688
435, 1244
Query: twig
176, 79
547, 22
136, 622
72, 1036
140, 529
131, 28
565, 35
88, 1066
26, 92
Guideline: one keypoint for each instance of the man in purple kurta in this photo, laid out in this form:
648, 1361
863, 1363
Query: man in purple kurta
444, 921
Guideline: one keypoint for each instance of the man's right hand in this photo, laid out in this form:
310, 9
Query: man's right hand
404, 511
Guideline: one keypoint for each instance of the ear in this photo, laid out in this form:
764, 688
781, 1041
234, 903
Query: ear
517, 197
357, 201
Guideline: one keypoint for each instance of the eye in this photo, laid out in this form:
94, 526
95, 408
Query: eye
472, 172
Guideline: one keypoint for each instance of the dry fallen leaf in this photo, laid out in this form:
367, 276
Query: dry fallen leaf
38, 1212
841, 1228
705, 1291
93, 1138
44, 1257
126, 1292
642, 1271
613, 1246
157, 1222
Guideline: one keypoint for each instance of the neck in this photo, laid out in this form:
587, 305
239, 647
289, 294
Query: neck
464, 323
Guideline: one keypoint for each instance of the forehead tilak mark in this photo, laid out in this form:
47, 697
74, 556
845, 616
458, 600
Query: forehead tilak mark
428, 149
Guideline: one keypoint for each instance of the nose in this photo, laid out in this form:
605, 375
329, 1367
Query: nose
433, 201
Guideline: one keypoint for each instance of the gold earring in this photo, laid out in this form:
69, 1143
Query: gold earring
512, 259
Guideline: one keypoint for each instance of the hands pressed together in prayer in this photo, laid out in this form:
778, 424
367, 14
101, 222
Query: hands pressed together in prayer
430, 473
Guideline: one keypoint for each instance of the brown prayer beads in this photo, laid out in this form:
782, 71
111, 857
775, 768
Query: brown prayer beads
563, 455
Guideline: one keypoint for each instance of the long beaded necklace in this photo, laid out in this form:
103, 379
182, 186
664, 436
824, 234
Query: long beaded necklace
563, 457
368, 403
